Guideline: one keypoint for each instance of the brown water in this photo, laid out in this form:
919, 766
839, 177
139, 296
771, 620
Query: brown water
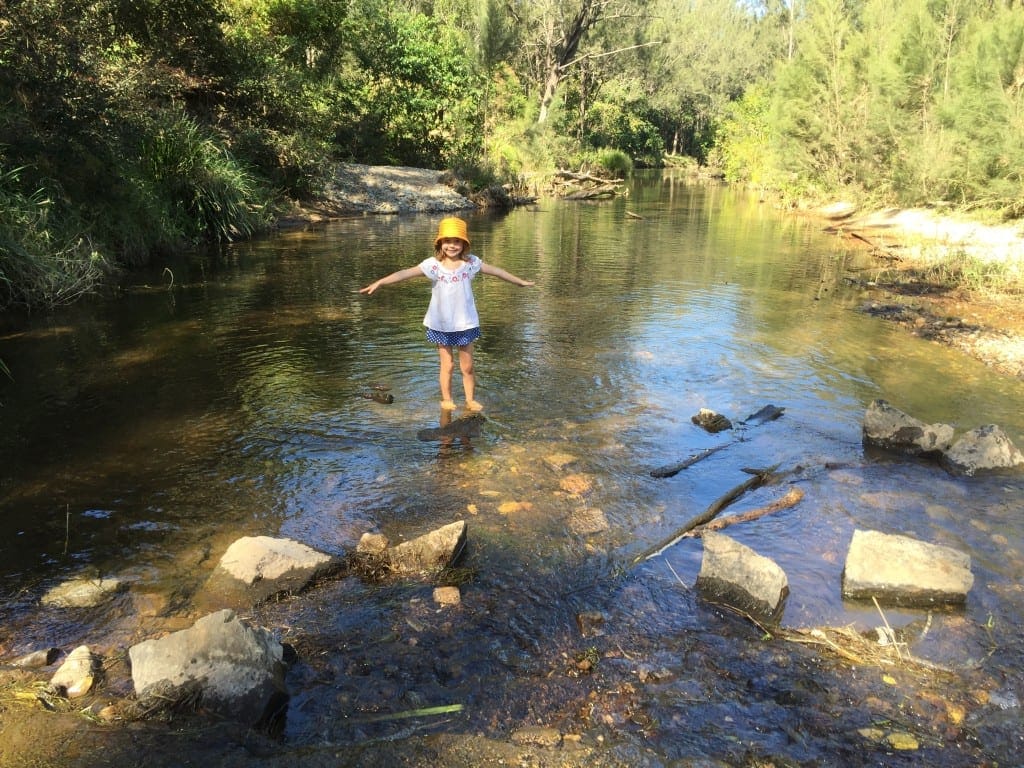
141, 435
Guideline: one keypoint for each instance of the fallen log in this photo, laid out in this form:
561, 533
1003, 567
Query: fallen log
758, 478
592, 194
791, 499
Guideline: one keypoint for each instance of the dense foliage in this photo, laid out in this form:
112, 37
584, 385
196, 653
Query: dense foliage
134, 127
912, 103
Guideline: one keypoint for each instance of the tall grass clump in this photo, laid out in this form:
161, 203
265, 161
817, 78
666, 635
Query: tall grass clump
210, 195
616, 162
41, 264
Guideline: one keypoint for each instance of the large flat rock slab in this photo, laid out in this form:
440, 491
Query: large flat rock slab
905, 571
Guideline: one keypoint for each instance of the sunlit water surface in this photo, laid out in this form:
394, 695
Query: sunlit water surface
222, 397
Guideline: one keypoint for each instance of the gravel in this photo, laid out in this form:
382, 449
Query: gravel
392, 189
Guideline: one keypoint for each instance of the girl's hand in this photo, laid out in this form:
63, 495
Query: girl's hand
370, 288
527, 284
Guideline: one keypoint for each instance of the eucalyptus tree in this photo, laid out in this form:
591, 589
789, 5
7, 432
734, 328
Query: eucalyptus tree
711, 51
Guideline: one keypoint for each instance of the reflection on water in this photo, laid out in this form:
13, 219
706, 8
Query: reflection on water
141, 436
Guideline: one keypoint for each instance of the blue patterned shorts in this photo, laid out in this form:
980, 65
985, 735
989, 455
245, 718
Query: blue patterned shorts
453, 338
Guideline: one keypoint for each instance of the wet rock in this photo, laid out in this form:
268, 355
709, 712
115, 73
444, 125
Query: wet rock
430, 553
75, 677
256, 568
372, 544
469, 425
584, 522
711, 421
734, 574
902, 570
766, 413
41, 658
235, 669
447, 596
984, 449
538, 736
83, 593
889, 428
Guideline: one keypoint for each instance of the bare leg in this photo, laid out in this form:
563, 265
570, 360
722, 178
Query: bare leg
468, 376
445, 376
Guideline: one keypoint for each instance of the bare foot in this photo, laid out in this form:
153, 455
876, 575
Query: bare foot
447, 405
473, 405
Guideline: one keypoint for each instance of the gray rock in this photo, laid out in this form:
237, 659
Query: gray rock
984, 449
238, 669
430, 553
891, 429
904, 571
736, 575
83, 593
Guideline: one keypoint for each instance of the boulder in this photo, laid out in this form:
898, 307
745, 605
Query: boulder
904, 571
984, 449
430, 553
889, 428
734, 574
256, 568
230, 667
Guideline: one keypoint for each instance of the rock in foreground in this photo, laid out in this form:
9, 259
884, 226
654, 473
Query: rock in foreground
734, 574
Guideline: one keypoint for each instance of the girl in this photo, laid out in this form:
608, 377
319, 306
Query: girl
452, 319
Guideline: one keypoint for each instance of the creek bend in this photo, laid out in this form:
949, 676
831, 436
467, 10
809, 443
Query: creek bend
143, 435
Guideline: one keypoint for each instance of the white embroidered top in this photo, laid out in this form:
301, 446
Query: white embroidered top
452, 306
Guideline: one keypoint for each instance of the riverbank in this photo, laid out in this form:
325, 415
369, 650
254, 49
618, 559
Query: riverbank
926, 264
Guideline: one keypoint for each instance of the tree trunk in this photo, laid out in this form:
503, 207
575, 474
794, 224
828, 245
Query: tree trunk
565, 52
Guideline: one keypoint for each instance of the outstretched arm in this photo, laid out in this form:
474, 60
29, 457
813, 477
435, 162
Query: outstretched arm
394, 277
488, 269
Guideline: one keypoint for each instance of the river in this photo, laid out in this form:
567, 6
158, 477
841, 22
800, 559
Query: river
222, 395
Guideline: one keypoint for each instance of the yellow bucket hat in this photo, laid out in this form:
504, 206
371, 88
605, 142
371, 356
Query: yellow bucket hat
451, 227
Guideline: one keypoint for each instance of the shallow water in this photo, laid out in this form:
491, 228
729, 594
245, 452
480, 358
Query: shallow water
142, 435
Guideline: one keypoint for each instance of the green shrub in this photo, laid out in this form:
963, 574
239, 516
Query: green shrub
616, 162
40, 263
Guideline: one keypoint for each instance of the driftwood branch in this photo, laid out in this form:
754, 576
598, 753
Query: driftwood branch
791, 499
586, 186
675, 469
759, 477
